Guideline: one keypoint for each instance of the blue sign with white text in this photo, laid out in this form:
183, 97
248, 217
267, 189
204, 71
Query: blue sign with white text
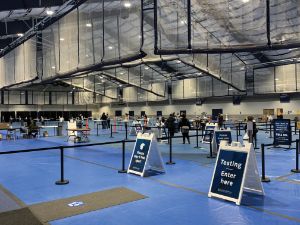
223, 135
282, 132
229, 173
140, 154
209, 129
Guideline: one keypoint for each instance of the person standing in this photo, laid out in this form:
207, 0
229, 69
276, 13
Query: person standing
220, 120
185, 127
170, 124
108, 121
104, 121
250, 128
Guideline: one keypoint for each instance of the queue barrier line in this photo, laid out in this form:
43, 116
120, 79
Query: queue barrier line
62, 180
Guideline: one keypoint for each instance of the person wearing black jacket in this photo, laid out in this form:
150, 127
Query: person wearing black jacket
170, 124
104, 120
185, 126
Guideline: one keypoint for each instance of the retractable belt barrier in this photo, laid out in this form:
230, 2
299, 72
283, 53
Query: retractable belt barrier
263, 170
62, 180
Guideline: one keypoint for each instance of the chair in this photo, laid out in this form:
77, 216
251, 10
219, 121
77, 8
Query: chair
72, 125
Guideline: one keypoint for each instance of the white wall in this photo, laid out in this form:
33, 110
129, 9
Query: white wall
93, 108
247, 107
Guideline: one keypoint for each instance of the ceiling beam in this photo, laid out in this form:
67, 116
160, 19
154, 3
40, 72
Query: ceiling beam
217, 77
28, 4
88, 89
130, 84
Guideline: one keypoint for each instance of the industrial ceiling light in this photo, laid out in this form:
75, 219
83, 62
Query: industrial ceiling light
110, 47
53, 67
120, 85
245, 1
49, 12
127, 4
88, 25
276, 79
146, 68
178, 61
121, 73
61, 39
20, 34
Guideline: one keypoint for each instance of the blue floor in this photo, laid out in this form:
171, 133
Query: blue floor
178, 197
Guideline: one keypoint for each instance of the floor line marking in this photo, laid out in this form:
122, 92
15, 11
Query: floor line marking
200, 192
12, 196
245, 205
94, 163
283, 176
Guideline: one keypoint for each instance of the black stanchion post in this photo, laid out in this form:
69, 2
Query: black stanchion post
263, 171
123, 170
170, 151
126, 132
62, 180
111, 132
237, 134
210, 146
255, 137
270, 130
197, 138
296, 170
295, 127
239, 128
97, 129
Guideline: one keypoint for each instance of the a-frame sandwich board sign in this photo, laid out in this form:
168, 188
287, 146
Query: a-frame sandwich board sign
235, 172
220, 135
209, 128
146, 158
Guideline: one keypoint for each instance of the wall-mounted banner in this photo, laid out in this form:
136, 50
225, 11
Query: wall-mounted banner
235, 171
209, 128
145, 158
221, 135
282, 132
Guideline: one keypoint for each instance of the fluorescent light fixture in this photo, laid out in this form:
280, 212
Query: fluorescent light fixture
61, 39
88, 25
101, 77
120, 85
49, 12
178, 61
127, 4
73, 88
20, 34
276, 79
146, 68
121, 73
245, 1
230, 89
140, 36
53, 67
97, 94
110, 47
